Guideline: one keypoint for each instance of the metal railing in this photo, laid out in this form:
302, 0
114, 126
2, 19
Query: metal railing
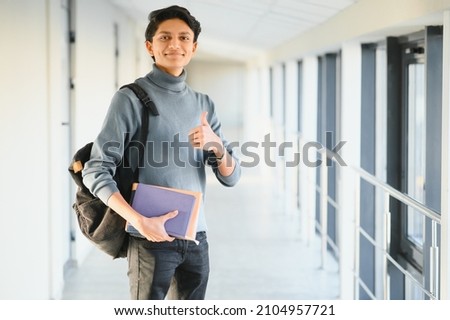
388, 193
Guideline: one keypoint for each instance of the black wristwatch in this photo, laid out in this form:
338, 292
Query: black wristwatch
223, 154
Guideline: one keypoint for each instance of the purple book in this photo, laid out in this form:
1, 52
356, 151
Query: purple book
154, 201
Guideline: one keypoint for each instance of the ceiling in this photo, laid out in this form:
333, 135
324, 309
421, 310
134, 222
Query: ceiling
241, 29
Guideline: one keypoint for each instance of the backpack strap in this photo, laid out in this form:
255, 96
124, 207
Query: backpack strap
148, 106
142, 95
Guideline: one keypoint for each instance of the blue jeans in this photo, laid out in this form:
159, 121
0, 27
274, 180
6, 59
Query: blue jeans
154, 266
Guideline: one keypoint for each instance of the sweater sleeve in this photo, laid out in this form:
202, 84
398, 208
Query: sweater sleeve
216, 126
120, 124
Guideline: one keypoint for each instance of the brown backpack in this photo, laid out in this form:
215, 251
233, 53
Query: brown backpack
99, 223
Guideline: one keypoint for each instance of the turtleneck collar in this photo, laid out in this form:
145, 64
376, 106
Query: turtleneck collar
166, 80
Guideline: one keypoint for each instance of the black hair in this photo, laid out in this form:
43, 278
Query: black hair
173, 12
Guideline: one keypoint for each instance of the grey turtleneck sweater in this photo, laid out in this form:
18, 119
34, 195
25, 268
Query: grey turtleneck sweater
170, 160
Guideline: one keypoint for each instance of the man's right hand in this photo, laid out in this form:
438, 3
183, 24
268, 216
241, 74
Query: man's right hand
153, 228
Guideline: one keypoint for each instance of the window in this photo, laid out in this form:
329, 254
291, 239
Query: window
328, 135
413, 162
414, 149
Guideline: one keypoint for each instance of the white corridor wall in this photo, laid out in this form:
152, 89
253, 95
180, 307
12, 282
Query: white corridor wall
32, 186
36, 125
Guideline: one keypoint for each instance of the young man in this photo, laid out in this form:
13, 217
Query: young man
187, 120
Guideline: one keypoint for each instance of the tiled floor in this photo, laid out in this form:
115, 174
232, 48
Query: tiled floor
255, 249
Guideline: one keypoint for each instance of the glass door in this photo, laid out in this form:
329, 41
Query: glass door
416, 151
413, 163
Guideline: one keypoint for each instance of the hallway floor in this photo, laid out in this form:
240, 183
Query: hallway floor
256, 252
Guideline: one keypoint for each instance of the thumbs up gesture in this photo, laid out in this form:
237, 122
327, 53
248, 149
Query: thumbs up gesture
203, 137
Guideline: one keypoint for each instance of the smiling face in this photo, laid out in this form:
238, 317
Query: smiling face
172, 46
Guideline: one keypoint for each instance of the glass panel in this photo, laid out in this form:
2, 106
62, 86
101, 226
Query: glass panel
412, 290
416, 150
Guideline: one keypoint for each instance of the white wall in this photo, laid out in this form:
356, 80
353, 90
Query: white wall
32, 157
225, 83
256, 113
34, 102
95, 73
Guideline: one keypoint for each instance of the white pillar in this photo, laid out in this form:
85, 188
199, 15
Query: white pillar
59, 196
350, 132
309, 134
278, 129
381, 203
291, 170
445, 190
